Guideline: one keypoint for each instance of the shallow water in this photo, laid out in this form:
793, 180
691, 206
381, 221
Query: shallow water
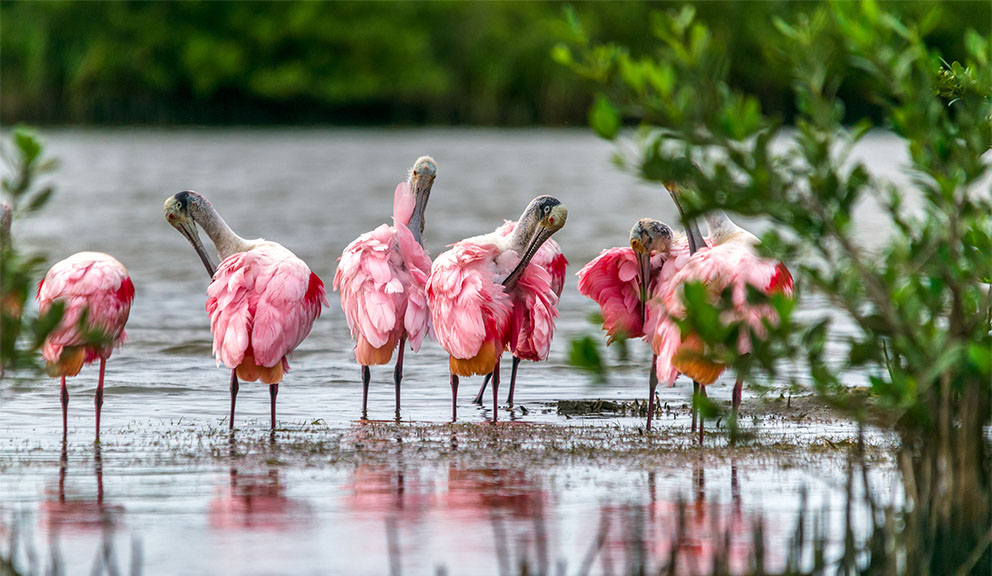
314, 191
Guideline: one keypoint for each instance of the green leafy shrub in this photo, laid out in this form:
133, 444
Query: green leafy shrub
920, 301
20, 272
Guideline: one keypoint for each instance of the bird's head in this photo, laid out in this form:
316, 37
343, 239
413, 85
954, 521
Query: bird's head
649, 235
544, 216
422, 176
181, 212
646, 237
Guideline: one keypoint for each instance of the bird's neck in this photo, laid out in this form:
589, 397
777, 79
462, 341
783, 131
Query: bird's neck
417, 220
224, 239
523, 231
722, 229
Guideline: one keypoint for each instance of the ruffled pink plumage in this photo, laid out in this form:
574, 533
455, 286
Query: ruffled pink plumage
475, 318
613, 280
467, 301
92, 283
382, 277
535, 310
262, 303
735, 265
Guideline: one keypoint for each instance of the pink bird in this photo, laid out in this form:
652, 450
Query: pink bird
96, 293
524, 344
383, 278
732, 262
262, 302
474, 288
624, 282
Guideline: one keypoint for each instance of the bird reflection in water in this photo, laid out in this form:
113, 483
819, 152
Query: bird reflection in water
74, 510
255, 501
697, 537
509, 504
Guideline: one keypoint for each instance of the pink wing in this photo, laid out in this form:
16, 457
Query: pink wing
265, 297
92, 282
467, 303
734, 265
612, 280
535, 307
403, 204
418, 265
382, 278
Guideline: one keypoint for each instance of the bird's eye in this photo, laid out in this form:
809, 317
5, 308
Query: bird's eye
547, 209
172, 217
551, 220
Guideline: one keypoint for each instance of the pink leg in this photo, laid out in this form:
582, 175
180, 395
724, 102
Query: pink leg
65, 410
513, 380
273, 390
398, 375
496, 391
702, 394
98, 399
234, 396
695, 392
738, 392
454, 397
652, 386
366, 378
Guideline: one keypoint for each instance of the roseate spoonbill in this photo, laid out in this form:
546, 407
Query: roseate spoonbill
96, 293
624, 281
730, 261
262, 301
523, 344
474, 286
382, 277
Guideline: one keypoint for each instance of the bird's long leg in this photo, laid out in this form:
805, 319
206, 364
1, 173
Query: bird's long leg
513, 380
234, 396
454, 397
702, 394
273, 391
652, 385
738, 392
65, 410
695, 393
482, 390
496, 391
366, 378
98, 398
398, 375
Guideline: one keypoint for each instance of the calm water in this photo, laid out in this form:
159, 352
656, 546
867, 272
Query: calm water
314, 191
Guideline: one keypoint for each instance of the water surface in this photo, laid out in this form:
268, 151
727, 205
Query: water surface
162, 482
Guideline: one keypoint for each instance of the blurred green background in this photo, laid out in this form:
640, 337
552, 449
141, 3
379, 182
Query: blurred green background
364, 63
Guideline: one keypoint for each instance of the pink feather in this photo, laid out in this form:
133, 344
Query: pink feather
382, 278
89, 282
733, 264
265, 297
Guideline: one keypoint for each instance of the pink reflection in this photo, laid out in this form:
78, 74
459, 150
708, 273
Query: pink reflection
482, 491
389, 490
255, 501
76, 511
700, 530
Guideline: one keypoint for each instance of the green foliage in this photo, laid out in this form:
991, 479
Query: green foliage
19, 272
919, 302
366, 62
583, 353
